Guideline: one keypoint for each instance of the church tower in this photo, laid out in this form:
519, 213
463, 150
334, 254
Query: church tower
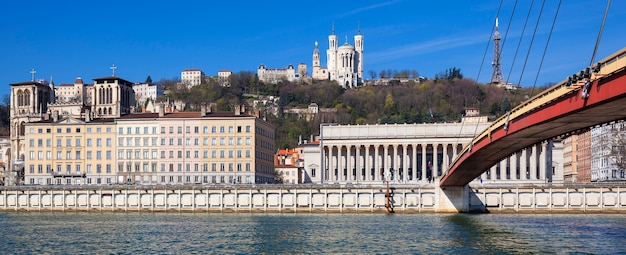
358, 58
332, 54
316, 57
29, 103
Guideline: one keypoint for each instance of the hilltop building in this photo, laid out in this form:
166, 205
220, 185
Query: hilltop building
274, 75
145, 92
222, 77
192, 77
344, 63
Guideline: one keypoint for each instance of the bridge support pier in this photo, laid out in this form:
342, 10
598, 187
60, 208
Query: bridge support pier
452, 199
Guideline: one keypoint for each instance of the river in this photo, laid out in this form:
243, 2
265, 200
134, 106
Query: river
243, 233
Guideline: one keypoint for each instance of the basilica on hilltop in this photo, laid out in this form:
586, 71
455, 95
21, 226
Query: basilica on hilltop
344, 63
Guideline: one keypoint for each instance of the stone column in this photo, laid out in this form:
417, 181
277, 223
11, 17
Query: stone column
543, 161
435, 159
522, 164
376, 163
367, 164
340, 165
405, 168
385, 161
533, 163
513, 167
414, 163
423, 162
446, 159
358, 164
349, 163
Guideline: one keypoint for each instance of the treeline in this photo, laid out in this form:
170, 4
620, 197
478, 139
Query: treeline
443, 99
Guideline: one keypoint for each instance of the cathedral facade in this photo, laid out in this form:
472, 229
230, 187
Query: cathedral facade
344, 63
34, 101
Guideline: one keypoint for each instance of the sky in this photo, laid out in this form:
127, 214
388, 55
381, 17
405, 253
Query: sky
69, 39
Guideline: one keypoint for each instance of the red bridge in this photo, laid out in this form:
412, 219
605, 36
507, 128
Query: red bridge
593, 96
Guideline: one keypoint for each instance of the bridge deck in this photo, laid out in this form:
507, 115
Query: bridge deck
558, 110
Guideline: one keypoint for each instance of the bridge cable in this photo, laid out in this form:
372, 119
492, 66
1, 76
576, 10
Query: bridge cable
546, 48
595, 49
480, 69
517, 49
531, 43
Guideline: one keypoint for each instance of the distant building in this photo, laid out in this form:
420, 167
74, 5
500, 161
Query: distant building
222, 77
192, 77
288, 164
606, 141
147, 91
274, 75
344, 63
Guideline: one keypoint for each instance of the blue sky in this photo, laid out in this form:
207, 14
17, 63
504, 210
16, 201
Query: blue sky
68, 39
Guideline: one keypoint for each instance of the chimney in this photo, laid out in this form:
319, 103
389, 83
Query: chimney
237, 110
208, 109
203, 110
243, 108
87, 115
161, 110
55, 116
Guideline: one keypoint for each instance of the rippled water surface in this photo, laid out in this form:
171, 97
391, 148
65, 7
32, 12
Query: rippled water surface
173, 233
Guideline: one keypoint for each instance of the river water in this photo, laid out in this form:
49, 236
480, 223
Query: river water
237, 233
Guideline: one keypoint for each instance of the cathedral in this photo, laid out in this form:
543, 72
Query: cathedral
35, 101
344, 63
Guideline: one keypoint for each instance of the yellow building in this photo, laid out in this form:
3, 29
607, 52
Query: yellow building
151, 148
68, 150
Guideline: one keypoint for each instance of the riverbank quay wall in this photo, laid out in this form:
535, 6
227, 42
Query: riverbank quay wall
592, 198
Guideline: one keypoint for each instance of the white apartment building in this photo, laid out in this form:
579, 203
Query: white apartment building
222, 77
147, 91
192, 77
606, 141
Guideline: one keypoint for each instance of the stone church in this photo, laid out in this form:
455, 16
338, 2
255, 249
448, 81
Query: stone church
344, 63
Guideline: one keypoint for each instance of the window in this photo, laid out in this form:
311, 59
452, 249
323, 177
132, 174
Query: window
108, 154
187, 129
99, 142
68, 155
77, 142
78, 155
238, 129
98, 154
171, 130
145, 130
213, 129
205, 130
230, 129
162, 130
221, 129
88, 141
247, 129
120, 130
137, 130
98, 130
180, 130
108, 141
162, 141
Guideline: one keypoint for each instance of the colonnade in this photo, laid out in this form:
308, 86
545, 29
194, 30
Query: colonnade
422, 162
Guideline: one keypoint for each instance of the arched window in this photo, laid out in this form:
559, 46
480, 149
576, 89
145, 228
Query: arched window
26, 97
22, 128
20, 98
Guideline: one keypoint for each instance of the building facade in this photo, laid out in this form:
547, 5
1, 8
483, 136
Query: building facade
151, 148
145, 92
412, 153
192, 77
344, 63
607, 142
222, 77
274, 75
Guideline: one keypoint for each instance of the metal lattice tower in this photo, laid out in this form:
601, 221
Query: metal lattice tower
496, 76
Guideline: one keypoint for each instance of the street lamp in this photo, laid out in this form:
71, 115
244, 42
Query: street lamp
322, 151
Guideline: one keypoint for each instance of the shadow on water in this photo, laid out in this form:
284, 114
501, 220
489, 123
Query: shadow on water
473, 235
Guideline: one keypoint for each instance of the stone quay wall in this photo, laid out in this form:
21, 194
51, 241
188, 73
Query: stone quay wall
311, 199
